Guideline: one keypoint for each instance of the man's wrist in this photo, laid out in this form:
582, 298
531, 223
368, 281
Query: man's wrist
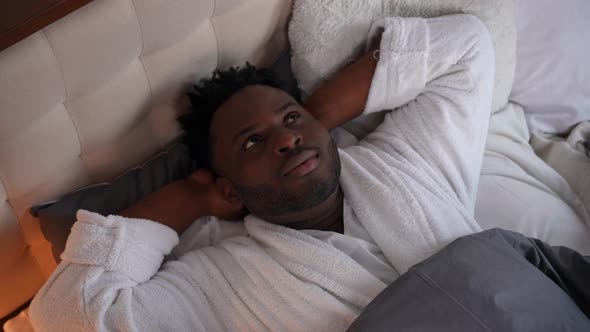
343, 97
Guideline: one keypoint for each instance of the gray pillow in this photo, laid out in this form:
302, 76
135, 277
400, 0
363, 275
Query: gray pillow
56, 218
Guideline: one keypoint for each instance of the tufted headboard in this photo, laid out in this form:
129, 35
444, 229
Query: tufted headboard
96, 93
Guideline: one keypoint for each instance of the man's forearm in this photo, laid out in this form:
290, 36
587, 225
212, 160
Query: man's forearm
343, 97
176, 205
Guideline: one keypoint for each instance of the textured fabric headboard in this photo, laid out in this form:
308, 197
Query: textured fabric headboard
97, 92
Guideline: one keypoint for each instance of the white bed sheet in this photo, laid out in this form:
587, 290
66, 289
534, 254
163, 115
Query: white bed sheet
519, 191
569, 156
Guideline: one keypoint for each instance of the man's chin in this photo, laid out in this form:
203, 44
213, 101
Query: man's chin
302, 186
294, 195
289, 211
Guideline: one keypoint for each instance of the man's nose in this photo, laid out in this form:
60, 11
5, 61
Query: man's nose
286, 140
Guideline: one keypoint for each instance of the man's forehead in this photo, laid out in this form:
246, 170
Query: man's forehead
246, 106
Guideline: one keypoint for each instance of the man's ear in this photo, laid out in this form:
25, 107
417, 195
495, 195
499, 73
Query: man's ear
228, 190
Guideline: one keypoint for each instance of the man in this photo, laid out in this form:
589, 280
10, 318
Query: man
366, 213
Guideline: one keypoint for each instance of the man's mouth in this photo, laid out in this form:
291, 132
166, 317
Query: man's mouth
301, 164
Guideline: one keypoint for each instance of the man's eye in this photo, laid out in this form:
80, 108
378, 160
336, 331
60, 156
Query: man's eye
292, 117
251, 141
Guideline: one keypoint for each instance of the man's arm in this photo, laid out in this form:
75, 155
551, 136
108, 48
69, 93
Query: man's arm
178, 204
111, 279
343, 97
437, 76
111, 275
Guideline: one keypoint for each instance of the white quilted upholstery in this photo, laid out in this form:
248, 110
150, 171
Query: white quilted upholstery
97, 92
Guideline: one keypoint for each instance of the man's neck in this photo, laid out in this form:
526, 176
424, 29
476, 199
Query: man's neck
327, 216
330, 219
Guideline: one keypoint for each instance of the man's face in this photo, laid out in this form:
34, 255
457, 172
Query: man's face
277, 158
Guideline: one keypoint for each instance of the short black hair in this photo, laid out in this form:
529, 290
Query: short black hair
207, 96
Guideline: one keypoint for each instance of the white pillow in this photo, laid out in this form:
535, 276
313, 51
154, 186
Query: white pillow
552, 80
325, 35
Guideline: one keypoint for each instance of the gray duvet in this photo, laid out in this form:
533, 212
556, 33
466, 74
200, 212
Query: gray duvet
495, 280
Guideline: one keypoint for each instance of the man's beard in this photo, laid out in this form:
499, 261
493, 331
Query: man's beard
263, 200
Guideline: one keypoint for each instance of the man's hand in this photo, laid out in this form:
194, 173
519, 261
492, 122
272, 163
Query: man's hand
204, 184
180, 203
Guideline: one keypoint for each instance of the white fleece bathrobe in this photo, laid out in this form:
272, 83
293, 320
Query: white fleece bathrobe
409, 189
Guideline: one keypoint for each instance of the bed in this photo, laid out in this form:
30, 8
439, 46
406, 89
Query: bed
96, 93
